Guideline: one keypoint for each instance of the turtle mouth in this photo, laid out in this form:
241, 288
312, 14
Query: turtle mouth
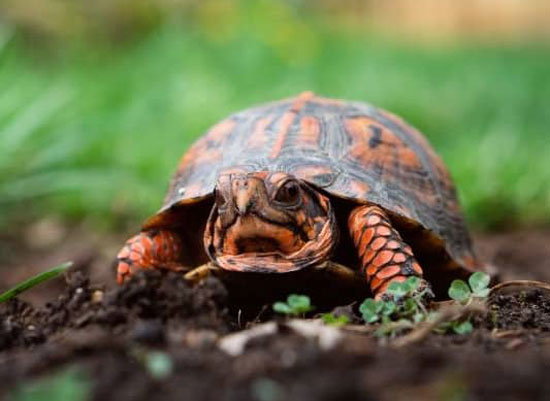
250, 245
258, 245
255, 236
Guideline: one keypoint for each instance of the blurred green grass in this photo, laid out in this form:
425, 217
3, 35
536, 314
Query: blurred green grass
96, 132
67, 384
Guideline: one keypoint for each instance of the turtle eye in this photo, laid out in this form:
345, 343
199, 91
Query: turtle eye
288, 194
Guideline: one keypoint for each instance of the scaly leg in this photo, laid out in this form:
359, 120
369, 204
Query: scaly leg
385, 257
153, 249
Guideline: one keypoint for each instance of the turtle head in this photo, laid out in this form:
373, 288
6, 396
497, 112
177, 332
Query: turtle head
268, 222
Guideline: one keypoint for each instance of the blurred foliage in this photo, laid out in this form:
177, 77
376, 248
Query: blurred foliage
123, 20
68, 384
97, 106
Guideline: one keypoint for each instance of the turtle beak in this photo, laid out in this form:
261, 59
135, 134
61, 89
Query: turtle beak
242, 203
244, 193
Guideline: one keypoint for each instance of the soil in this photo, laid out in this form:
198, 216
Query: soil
111, 334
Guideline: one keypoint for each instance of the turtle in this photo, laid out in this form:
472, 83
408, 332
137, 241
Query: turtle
290, 185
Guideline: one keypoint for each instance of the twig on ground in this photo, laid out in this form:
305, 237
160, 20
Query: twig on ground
444, 314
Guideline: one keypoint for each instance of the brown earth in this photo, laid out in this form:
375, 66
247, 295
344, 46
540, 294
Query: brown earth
109, 334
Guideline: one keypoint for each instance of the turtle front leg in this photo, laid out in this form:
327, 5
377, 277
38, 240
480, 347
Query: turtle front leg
384, 256
152, 249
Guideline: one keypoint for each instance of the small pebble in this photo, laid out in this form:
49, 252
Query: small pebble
148, 331
200, 338
97, 296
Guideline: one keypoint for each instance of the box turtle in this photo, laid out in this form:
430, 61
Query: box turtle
290, 185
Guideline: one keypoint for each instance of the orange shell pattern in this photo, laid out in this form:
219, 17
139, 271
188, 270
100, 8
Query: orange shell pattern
350, 149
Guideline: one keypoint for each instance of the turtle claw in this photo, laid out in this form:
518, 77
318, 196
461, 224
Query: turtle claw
424, 291
200, 273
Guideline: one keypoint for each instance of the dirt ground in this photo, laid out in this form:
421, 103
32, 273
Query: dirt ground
109, 333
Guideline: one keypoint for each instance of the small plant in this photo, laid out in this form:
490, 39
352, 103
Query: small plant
478, 287
465, 327
33, 281
333, 320
377, 311
159, 364
406, 310
465, 293
295, 305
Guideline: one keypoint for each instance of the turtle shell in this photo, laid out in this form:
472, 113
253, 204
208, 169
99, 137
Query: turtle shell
350, 150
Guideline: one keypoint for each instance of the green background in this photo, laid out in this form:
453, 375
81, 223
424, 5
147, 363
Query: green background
95, 113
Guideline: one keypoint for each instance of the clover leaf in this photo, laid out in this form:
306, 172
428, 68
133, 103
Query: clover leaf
369, 310
465, 327
459, 291
479, 283
398, 290
333, 320
295, 305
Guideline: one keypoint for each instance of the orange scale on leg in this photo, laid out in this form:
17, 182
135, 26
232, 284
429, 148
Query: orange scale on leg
123, 268
383, 231
137, 246
399, 257
367, 257
388, 272
356, 236
365, 240
354, 221
124, 253
393, 244
168, 252
159, 243
383, 289
146, 241
382, 258
378, 243
168, 242
372, 269
135, 256
375, 283
373, 220
416, 267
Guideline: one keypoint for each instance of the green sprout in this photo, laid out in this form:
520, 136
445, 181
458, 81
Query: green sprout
459, 326
406, 310
478, 287
465, 327
33, 281
295, 305
333, 320
159, 364
373, 311
465, 293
